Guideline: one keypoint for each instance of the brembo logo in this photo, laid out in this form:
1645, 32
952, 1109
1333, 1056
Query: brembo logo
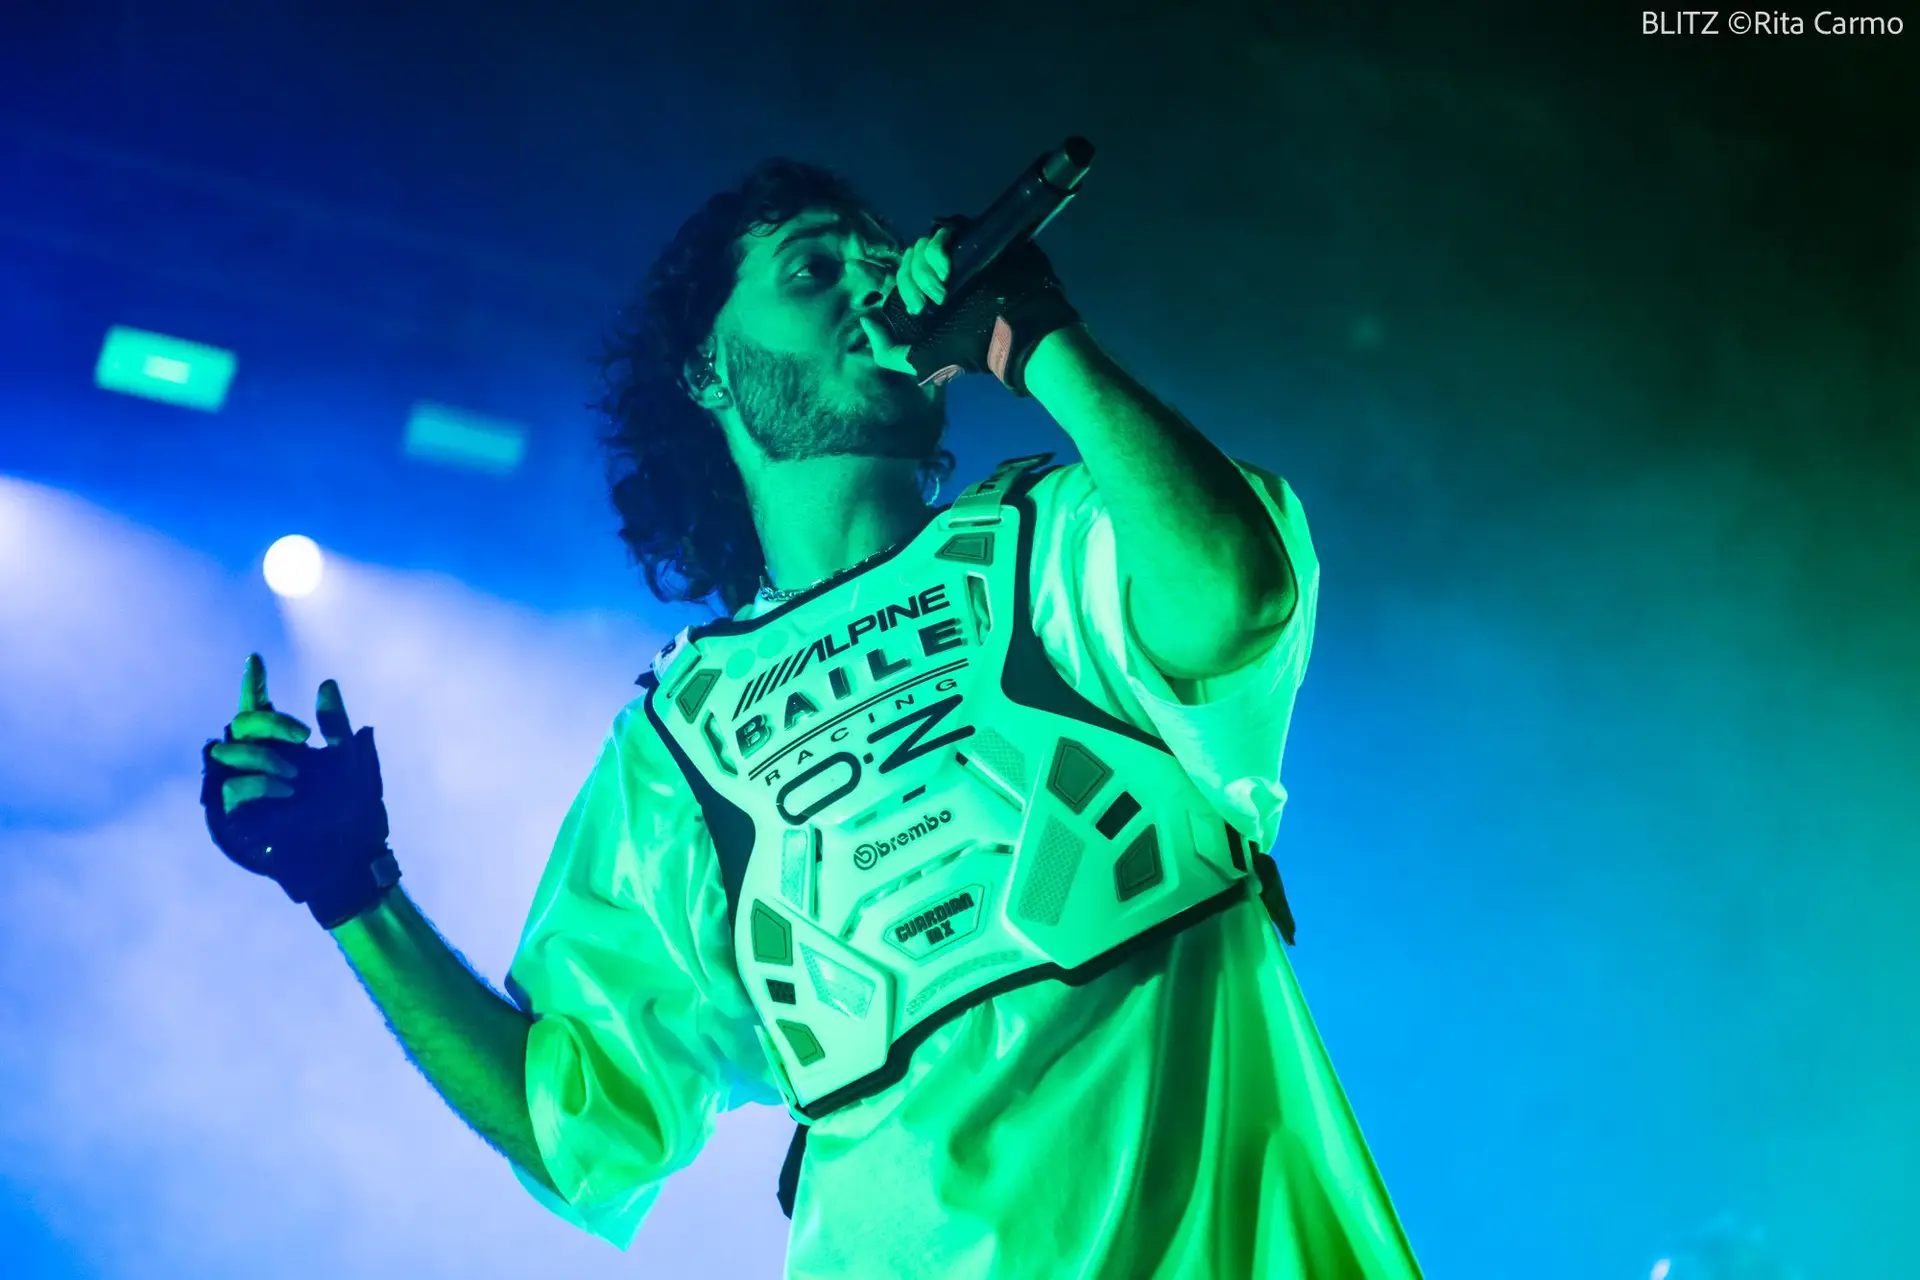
869, 852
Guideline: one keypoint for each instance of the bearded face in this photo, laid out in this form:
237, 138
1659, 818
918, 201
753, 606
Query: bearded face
803, 378
829, 403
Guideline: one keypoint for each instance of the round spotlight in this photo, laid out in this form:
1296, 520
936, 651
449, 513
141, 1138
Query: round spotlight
293, 566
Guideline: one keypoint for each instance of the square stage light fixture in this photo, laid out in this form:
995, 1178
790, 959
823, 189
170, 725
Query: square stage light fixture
154, 366
456, 438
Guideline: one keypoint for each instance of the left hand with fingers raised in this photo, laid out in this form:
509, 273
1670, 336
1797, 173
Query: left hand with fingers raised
992, 325
312, 819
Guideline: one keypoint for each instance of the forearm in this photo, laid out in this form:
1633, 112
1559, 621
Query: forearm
1191, 537
470, 1042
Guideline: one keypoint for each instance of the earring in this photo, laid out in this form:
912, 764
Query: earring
934, 500
705, 379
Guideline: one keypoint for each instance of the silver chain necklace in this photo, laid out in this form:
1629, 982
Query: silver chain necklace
778, 595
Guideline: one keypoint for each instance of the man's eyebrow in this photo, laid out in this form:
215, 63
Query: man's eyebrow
822, 230
809, 233
818, 231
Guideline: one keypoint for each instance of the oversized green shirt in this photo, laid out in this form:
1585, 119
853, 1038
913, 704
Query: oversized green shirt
1177, 1118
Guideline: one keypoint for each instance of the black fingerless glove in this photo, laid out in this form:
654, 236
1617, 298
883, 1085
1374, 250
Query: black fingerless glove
991, 326
326, 844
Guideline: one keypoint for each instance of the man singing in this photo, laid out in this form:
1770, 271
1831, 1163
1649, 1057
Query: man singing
949, 837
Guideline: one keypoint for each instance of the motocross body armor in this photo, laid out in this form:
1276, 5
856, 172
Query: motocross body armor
913, 810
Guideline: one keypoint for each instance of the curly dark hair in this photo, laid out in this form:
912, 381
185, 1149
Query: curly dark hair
681, 501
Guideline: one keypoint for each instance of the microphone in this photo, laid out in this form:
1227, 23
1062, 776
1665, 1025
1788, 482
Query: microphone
1021, 212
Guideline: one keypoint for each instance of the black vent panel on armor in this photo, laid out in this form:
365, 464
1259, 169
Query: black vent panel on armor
805, 1046
1235, 849
1118, 815
967, 548
694, 696
772, 936
1077, 775
1138, 869
782, 992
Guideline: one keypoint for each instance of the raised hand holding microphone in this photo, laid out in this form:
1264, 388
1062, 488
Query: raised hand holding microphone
309, 818
1006, 297
992, 325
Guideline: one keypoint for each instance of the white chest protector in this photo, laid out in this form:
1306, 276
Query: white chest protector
913, 811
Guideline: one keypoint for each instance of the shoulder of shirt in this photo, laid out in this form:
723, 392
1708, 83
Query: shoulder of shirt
1064, 487
1071, 485
632, 732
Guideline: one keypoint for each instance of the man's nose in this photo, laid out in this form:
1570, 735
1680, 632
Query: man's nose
870, 283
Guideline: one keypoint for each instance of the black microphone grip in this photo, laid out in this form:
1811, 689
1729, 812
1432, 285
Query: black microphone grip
1020, 213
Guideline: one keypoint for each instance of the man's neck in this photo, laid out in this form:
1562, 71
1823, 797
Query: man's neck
821, 515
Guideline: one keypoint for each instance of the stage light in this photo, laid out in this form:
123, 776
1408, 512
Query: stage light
1660, 1269
293, 566
437, 433
170, 370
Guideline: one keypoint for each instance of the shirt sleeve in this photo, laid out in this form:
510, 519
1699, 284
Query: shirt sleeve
1228, 732
643, 1032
